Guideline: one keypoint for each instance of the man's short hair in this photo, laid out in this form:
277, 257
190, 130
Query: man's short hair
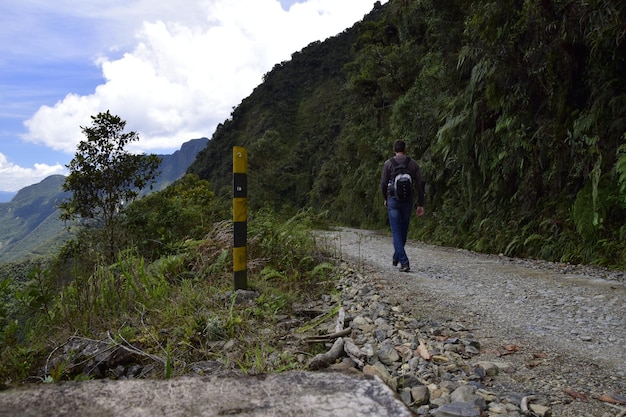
399, 146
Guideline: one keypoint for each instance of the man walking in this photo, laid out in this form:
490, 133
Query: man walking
400, 204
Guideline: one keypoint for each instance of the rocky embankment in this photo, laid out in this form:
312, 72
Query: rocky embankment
466, 334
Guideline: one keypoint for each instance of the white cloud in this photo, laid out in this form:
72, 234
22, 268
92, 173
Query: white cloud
189, 66
14, 177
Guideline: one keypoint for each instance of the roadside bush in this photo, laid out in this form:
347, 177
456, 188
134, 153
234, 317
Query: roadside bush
156, 224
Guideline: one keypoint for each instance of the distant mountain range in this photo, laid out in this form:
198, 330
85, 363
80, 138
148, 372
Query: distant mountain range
30, 224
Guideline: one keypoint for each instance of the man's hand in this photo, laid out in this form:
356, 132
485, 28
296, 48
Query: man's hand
420, 211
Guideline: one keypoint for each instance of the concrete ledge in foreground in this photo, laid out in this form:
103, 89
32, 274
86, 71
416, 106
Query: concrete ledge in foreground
301, 394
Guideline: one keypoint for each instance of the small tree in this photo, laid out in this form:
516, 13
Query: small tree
104, 176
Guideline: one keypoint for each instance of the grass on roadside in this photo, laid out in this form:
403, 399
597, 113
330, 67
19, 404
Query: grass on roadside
177, 309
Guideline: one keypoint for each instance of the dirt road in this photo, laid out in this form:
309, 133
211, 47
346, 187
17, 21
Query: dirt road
568, 323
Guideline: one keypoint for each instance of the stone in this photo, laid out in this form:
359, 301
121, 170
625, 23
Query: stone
497, 408
464, 393
471, 350
420, 395
310, 394
439, 402
408, 381
380, 371
372, 370
457, 409
490, 368
486, 395
205, 367
243, 296
380, 334
405, 396
230, 345
368, 350
505, 366
540, 410
388, 355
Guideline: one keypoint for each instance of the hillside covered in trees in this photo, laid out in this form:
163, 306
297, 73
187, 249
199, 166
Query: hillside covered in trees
516, 111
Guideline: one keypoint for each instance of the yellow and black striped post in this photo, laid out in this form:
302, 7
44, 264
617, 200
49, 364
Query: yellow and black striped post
240, 217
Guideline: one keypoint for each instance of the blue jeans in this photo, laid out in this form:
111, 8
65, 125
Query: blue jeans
399, 218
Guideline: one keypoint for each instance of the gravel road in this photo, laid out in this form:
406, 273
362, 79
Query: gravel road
566, 322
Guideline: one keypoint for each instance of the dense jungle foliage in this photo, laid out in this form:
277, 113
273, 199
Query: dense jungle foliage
516, 111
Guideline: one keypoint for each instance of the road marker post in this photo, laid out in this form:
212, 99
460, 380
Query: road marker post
240, 217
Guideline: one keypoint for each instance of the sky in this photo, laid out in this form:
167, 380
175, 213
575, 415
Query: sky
172, 69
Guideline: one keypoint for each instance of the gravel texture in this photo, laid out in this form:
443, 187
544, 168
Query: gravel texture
566, 323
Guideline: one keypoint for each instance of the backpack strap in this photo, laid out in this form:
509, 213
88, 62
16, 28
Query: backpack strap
396, 163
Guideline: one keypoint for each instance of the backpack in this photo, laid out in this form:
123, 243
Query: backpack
402, 183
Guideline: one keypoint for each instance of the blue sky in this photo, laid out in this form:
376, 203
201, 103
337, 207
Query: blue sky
172, 69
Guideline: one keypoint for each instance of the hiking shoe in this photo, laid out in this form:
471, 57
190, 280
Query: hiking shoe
395, 262
405, 268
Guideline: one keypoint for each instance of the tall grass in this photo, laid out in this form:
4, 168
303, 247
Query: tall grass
178, 306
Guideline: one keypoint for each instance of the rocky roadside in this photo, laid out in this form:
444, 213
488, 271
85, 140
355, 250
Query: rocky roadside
462, 335
476, 335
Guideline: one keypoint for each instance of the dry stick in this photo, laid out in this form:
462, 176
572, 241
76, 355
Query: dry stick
151, 335
353, 351
328, 337
322, 318
341, 317
323, 360
525, 403
50, 356
130, 348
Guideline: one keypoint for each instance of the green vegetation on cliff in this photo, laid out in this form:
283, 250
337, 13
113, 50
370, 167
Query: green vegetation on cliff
515, 110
